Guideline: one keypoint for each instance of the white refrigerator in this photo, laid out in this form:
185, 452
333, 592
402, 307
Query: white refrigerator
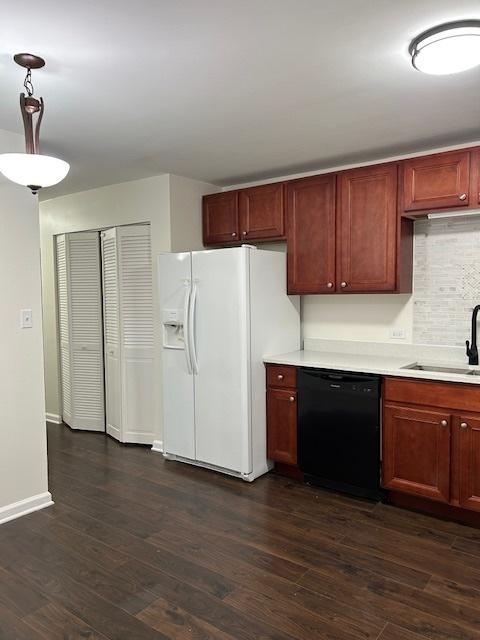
222, 312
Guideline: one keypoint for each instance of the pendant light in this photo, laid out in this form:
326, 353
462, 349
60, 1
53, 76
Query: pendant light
449, 48
31, 169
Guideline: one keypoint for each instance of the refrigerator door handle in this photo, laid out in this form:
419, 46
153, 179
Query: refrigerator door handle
191, 328
186, 327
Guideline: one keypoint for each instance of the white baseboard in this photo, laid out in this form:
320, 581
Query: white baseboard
52, 417
157, 446
22, 507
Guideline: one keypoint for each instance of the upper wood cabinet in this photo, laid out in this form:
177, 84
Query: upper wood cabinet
475, 179
367, 229
469, 461
437, 182
261, 212
254, 214
220, 218
416, 451
310, 218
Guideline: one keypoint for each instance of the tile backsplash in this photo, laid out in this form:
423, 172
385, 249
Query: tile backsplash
446, 279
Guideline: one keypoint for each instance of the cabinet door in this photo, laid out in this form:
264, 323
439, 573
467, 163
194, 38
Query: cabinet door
437, 181
367, 229
282, 425
469, 467
220, 218
310, 217
261, 211
416, 452
475, 178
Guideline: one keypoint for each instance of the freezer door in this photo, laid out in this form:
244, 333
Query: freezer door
174, 277
221, 358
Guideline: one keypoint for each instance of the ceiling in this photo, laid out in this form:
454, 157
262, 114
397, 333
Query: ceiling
227, 91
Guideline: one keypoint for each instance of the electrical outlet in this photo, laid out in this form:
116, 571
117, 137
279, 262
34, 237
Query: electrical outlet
397, 333
26, 319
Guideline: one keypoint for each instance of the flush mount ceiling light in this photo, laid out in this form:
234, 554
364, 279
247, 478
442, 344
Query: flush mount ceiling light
31, 169
448, 48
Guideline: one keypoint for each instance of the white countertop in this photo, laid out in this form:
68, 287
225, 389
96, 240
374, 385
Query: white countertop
385, 365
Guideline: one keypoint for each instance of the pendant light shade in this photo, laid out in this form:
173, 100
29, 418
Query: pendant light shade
449, 48
33, 169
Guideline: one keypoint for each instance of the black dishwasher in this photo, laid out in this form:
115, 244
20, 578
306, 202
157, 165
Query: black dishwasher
339, 430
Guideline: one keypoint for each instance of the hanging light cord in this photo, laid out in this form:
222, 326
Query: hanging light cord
28, 83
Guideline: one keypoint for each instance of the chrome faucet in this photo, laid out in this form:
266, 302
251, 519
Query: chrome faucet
472, 351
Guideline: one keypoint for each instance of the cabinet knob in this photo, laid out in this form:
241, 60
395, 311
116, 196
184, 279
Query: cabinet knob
343, 285
244, 233
462, 196
292, 398
234, 234
463, 425
444, 423
329, 285
280, 376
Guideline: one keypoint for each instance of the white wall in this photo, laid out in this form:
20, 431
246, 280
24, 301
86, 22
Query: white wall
186, 212
172, 206
23, 455
365, 317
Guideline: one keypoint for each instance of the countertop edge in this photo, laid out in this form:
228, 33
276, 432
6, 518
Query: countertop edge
323, 362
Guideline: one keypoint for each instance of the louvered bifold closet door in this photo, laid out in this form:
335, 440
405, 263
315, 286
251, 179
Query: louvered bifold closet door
111, 311
81, 330
136, 332
63, 328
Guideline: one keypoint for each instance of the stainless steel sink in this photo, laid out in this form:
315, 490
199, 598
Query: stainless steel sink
456, 370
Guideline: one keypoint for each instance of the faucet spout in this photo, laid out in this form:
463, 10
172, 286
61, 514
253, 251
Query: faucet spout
472, 349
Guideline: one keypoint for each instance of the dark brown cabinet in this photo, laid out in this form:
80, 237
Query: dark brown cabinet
416, 451
351, 231
282, 425
431, 442
367, 229
437, 181
469, 461
220, 218
310, 218
261, 212
254, 214
475, 179
282, 414
344, 234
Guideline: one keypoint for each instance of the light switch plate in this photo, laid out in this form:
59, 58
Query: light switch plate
397, 333
26, 319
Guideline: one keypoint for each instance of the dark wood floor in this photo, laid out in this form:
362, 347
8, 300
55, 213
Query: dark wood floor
137, 548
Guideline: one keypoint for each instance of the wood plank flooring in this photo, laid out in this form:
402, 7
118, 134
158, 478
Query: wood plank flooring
136, 548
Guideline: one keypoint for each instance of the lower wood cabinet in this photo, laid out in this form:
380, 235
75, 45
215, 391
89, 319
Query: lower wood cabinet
431, 441
282, 414
469, 461
416, 451
282, 425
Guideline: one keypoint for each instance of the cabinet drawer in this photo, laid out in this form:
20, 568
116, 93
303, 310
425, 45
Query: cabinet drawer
281, 376
444, 395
